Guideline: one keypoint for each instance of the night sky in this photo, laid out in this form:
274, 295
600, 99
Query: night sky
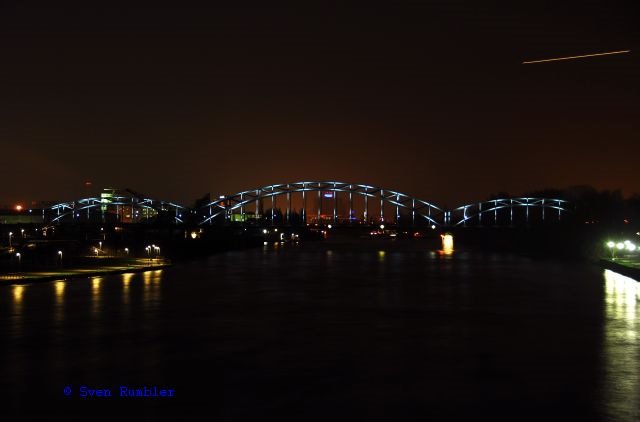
426, 97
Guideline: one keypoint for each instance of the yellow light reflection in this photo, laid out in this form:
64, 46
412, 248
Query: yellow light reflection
58, 310
95, 292
95, 284
622, 294
18, 292
621, 344
126, 279
146, 278
157, 276
151, 289
59, 286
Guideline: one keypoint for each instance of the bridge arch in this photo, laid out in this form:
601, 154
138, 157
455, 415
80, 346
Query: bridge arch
508, 211
116, 208
250, 204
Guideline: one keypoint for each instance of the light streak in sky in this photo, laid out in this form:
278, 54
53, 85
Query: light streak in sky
577, 57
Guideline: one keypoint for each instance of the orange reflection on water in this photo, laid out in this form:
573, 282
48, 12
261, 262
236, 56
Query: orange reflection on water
126, 280
59, 286
18, 292
95, 284
151, 289
58, 314
95, 294
146, 278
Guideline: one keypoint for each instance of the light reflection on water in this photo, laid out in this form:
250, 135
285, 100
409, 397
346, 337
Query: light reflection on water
58, 313
151, 288
95, 296
126, 280
18, 292
621, 347
465, 315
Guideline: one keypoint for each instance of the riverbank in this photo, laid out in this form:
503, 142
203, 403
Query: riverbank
71, 273
625, 267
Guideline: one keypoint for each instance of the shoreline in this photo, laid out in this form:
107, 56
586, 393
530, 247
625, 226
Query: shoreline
69, 276
621, 269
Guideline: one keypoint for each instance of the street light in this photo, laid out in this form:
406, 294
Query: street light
19, 259
10, 235
22, 233
612, 245
148, 249
126, 251
60, 254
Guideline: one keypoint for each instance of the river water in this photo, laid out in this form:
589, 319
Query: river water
384, 330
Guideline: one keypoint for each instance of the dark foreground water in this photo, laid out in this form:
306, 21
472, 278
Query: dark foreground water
328, 331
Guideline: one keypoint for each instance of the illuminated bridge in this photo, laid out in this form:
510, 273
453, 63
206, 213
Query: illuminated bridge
332, 202
312, 202
116, 209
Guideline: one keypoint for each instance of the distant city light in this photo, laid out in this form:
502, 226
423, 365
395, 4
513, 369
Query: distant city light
18, 207
447, 243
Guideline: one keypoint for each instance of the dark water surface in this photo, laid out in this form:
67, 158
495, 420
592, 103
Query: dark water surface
329, 331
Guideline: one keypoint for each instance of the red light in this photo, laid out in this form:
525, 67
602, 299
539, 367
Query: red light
18, 207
